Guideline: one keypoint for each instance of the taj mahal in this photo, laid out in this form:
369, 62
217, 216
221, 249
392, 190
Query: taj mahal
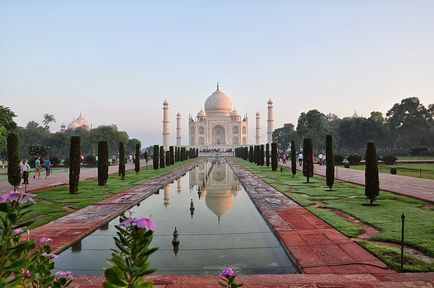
218, 125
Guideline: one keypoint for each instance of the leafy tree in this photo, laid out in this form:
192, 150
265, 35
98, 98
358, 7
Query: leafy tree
283, 136
330, 164
74, 165
377, 116
6, 118
273, 156
48, 118
131, 145
146, 157
293, 158
14, 173
155, 156
312, 125
137, 159
122, 160
162, 162
3, 137
102, 163
267, 154
372, 183
37, 150
307, 159
32, 125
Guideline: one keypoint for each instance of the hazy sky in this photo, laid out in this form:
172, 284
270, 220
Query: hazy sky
116, 61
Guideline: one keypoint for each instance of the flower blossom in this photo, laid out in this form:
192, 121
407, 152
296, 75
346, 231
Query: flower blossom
50, 255
64, 274
44, 240
14, 196
144, 222
26, 273
18, 230
228, 272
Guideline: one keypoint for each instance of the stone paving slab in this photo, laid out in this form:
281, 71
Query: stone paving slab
72, 227
410, 186
315, 245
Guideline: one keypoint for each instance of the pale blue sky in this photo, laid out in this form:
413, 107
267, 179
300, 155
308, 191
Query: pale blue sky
116, 61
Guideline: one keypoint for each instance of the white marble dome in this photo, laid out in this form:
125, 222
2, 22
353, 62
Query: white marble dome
201, 113
235, 113
218, 102
80, 122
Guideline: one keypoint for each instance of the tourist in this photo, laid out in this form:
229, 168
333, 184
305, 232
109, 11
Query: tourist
300, 159
321, 158
25, 168
37, 167
47, 165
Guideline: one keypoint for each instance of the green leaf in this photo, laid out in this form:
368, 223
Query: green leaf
113, 277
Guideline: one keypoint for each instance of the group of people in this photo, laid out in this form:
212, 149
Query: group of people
321, 158
39, 165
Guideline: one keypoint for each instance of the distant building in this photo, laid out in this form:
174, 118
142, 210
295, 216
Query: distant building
80, 122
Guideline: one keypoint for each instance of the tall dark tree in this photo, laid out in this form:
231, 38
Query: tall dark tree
307, 158
267, 154
137, 159
293, 159
74, 164
262, 155
168, 158
330, 163
146, 157
122, 160
156, 156
162, 154
172, 157
13, 147
273, 156
372, 183
102, 162
251, 154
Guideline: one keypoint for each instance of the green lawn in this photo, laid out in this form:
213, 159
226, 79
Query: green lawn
348, 197
419, 170
51, 203
407, 157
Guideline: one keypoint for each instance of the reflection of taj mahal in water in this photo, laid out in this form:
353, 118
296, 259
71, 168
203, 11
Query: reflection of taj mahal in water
217, 126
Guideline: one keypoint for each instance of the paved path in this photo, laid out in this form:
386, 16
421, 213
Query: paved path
410, 186
61, 178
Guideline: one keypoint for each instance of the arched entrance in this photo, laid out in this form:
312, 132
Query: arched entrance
218, 135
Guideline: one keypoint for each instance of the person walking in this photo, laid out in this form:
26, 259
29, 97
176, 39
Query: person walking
300, 159
47, 165
25, 171
37, 167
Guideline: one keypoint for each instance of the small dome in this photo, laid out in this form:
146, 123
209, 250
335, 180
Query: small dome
218, 102
165, 103
201, 113
80, 122
270, 102
235, 113
73, 125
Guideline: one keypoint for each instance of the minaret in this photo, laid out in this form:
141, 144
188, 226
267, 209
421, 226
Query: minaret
178, 129
166, 125
270, 120
258, 129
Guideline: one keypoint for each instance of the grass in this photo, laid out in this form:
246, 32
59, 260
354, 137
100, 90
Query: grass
50, 203
418, 170
348, 197
4, 172
407, 157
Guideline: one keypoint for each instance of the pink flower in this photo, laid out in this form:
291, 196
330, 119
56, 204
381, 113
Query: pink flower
51, 255
15, 196
26, 273
18, 230
146, 222
127, 222
44, 240
228, 272
64, 274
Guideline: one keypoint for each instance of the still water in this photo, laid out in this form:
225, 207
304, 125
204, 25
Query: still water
224, 229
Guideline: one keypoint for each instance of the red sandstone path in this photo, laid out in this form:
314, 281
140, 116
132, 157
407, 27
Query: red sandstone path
61, 178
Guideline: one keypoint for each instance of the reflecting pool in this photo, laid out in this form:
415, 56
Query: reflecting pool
224, 229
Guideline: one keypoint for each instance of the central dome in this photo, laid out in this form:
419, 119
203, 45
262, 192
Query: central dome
218, 102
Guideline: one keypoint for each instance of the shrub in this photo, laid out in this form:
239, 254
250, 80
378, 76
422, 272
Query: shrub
55, 161
307, 159
122, 160
102, 162
137, 159
346, 164
274, 156
293, 159
155, 156
354, 159
339, 159
90, 161
14, 173
389, 159
372, 185
330, 165
417, 150
393, 171
74, 164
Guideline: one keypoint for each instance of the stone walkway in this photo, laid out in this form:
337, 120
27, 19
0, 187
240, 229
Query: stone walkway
62, 178
410, 186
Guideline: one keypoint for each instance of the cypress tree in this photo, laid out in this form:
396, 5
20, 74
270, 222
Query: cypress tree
307, 158
146, 157
14, 172
102, 163
155, 157
172, 158
122, 160
162, 154
137, 160
267, 154
273, 156
293, 159
251, 154
372, 183
257, 155
262, 154
168, 158
74, 164
330, 163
